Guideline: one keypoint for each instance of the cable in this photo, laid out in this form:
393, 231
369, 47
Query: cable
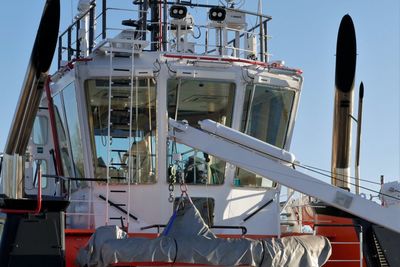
157, 66
351, 177
343, 180
243, 69
304, 167
168, 67
199, 35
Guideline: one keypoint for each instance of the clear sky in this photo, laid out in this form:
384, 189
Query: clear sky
303, 35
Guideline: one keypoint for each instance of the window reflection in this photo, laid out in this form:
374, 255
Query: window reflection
66, 157
43, 169
68, 131
40, 133
195, 100
132, 128
266, 116
71, 112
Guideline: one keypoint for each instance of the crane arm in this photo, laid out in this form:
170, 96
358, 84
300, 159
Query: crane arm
242, 151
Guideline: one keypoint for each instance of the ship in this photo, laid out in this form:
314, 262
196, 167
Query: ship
163, 139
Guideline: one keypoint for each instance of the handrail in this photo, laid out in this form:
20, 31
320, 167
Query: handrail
57, 155
68, 32
118, 207
258, 210
360, 242
38, 202
158, 226
1, 162
69, 46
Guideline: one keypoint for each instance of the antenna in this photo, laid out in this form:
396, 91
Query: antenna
358, 144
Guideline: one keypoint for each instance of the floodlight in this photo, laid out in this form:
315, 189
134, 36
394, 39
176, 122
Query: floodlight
217, 14
178, 12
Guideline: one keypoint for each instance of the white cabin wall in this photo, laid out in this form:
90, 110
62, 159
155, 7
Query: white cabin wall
149, 202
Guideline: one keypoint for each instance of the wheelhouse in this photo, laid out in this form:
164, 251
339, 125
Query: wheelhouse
111, 107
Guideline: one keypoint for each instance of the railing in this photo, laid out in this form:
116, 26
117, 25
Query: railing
318, 223
166, 34
230, 227
347, 243
73, 46
1, 163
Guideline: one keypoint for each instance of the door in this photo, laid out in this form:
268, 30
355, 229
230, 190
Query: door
40, 151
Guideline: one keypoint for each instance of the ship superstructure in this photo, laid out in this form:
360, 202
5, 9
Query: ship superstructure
102, 144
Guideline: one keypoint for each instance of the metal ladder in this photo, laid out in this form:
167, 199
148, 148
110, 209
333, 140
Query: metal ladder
379, 253
119, 169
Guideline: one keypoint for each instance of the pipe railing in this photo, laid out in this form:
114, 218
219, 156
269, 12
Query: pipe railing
359, 243
70, 41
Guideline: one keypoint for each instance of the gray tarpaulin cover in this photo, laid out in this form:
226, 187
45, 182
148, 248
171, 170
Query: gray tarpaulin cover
189, 240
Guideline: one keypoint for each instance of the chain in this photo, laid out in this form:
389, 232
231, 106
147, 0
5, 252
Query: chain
172, 181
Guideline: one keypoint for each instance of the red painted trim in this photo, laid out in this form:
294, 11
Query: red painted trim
79, 231
38, 202
156, 263
71, 65
50, 105
144, 235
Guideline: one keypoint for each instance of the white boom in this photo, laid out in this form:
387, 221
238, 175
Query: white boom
235, 147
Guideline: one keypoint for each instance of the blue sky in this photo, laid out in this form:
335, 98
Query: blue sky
304, 36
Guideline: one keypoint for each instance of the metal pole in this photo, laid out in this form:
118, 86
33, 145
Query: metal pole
91, 28
266, 40
382, 182
69, 49
78, 42
360, 236
165, 27
262, 56
261, 40
59, 51
144, 7
358, 142
104, 20
155, 28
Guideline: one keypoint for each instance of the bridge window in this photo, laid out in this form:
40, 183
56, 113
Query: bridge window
44, 170
68, 131
195, 100
266, 116
40, 131
131, 148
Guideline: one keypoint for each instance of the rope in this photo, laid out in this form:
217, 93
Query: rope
312, 169
170, 222
343, 180
330, 172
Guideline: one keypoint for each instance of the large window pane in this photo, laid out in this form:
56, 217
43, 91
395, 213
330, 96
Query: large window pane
195, 100
71, 114
68, 131
40, 130
43, 169
66, 157
266, 116
132, 129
